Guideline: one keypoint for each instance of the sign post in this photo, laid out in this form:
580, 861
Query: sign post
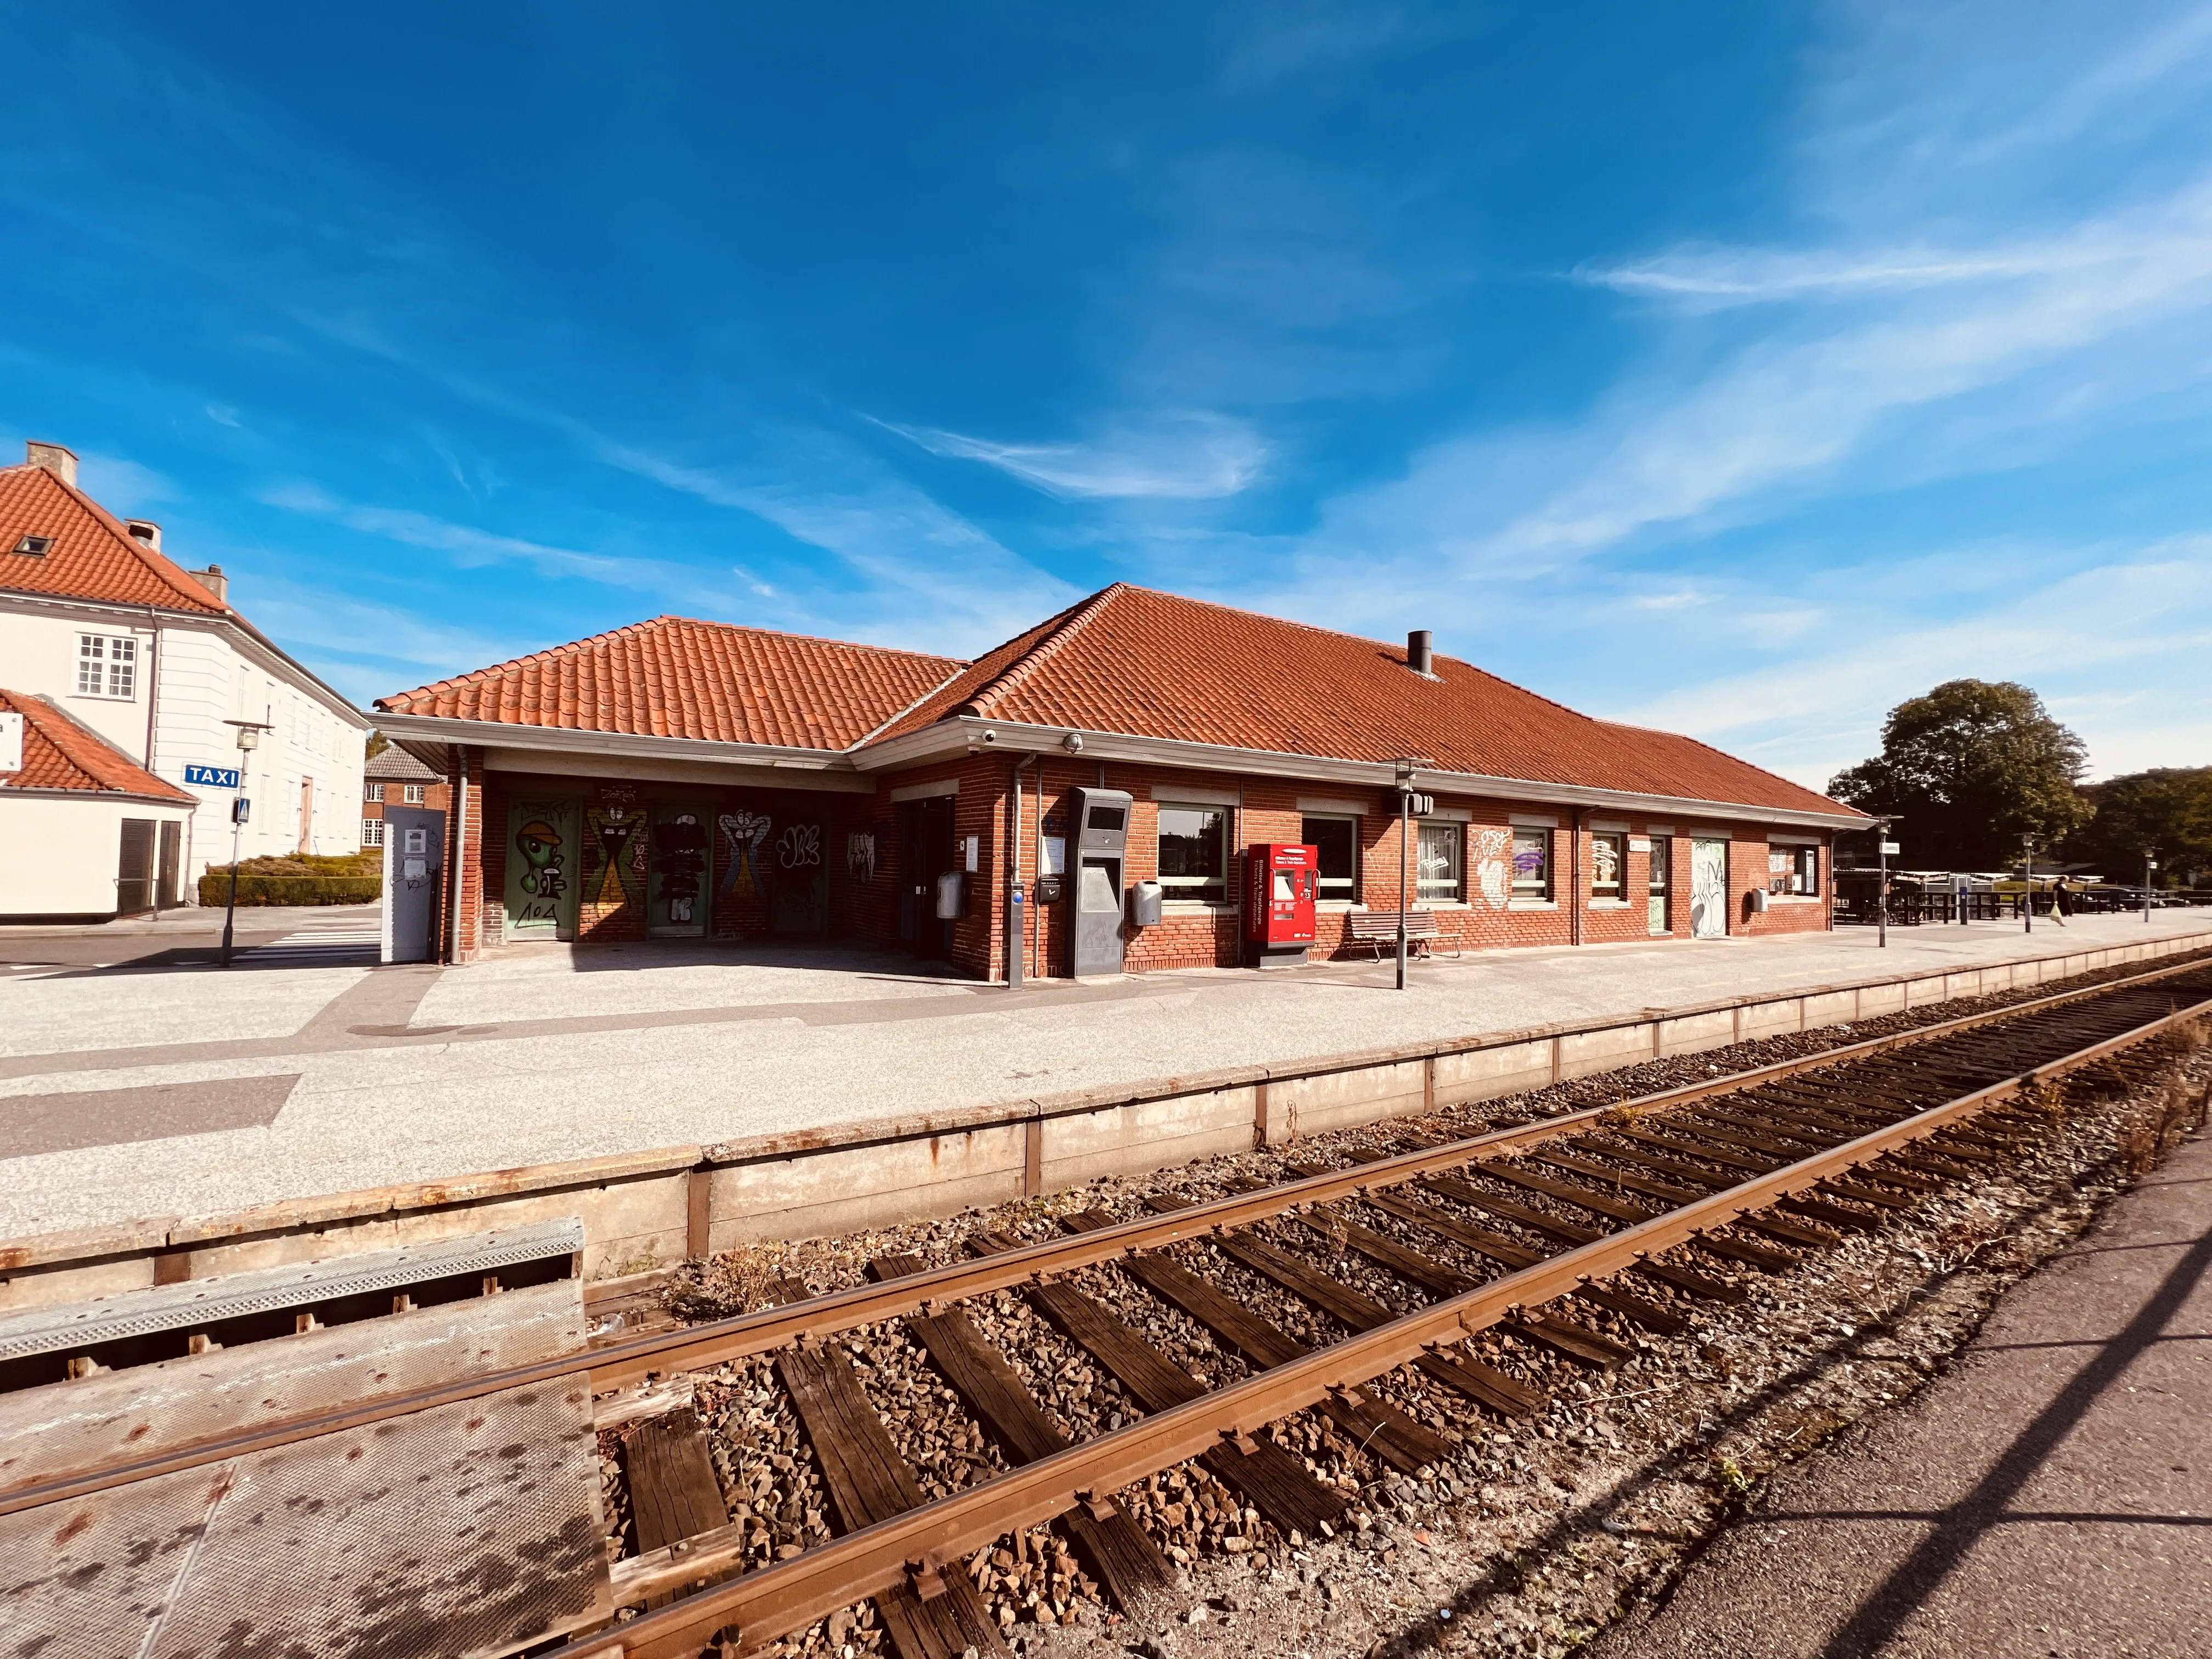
249, 735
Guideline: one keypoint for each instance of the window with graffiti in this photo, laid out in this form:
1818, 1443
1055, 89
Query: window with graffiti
1532, 865
1609, 865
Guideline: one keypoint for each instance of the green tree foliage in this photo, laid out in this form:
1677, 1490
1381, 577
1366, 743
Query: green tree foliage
2169, 809
1967, 770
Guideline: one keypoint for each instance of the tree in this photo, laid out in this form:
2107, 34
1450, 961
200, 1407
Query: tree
1967, 770
2169, 810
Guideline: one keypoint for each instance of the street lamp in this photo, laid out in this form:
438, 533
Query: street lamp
2150, 867
1410, 806
1881, 847
2026, 882
249, 737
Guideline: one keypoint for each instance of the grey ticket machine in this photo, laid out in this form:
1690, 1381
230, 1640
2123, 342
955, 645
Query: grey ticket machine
1097, 854
414, 869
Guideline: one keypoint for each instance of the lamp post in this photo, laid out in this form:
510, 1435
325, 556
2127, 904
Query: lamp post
1882, 895
2026, 882
2150, 867
1410, 806
249, 737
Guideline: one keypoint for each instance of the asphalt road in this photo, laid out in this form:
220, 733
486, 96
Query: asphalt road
2050, 1494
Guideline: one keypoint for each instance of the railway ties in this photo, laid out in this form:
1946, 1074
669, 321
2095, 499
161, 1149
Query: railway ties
1341, 1301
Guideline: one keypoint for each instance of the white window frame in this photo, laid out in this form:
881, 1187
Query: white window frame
1338, 889
372, 832
1615, 892
1538, 892
1454, 834
411, 794
375, 791
107, 666
1203, 890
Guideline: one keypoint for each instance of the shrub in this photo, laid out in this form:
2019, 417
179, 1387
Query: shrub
259, 888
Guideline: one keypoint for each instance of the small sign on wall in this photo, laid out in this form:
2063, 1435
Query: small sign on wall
1639, 843
972, 845
11, 742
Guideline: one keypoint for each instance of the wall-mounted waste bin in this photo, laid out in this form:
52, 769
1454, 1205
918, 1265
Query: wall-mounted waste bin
952, 895
1145, 904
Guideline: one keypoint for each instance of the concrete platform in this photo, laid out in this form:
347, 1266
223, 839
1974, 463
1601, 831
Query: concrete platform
2050, 1495
119, 1083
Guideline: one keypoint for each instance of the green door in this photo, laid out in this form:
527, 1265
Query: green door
676, 904
541, 869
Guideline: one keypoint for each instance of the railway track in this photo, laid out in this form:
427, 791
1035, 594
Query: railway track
1564, 1238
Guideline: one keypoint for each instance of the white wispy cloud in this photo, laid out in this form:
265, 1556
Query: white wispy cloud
1186, 456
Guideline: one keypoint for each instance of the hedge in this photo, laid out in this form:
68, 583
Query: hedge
215, 888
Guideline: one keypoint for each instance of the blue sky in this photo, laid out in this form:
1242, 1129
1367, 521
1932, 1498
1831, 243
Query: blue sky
1742, 369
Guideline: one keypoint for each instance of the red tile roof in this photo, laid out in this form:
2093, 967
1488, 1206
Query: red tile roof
60, 754
676, 677
1132, 661
92, 557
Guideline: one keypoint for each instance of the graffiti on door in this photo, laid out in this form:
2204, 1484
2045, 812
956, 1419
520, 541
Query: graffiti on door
611, 829
679, 869
860, 855
742, 836
541, 854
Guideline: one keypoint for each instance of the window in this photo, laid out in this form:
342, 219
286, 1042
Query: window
1337, 841
1532, 865
1608, 866
411, 794
375, 793
1793, 870
1662, 859
106, 666
1442, 868
36, 547
372, 832
1195, 852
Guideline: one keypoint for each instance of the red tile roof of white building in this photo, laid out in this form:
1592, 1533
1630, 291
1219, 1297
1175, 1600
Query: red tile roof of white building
60, 754
91, 557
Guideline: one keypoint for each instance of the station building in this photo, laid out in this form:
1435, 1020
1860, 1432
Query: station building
690, 779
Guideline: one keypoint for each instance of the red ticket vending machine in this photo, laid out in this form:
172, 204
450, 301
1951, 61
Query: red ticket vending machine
1281, 883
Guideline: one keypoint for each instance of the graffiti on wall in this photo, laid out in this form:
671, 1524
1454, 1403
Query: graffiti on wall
742, 836
860, 855
799, 847
541, 856
1492, 876
544, 875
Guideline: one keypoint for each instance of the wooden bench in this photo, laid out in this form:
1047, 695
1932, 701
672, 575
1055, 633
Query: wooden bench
1378, 929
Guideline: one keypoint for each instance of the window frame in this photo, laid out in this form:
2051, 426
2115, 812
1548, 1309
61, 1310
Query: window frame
114, 665
410, 794
373, 791
1197, 889
1327, 887
1617, 891
1799, 878
1453, 833
1540, 891
372, 832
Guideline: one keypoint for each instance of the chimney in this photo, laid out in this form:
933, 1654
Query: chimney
211, 579
1417, 653
144, 531
61, 462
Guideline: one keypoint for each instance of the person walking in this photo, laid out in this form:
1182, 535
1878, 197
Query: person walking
2062, 901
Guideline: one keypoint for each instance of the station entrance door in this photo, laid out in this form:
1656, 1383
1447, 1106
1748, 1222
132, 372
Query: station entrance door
926, 851
1709, 893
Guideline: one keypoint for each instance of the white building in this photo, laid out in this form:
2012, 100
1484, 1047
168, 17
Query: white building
153, 659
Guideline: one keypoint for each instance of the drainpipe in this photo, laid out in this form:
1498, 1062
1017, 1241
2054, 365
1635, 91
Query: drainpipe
1017, 928
1575, 935
459, 850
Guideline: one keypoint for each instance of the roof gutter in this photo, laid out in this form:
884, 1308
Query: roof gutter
966, 734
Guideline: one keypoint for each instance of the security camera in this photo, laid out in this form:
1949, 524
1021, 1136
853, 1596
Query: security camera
1072, 743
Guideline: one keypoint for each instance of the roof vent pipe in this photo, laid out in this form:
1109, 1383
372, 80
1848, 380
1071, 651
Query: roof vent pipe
1418, 653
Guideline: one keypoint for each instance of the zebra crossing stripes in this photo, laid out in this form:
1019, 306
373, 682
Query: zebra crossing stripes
339, 942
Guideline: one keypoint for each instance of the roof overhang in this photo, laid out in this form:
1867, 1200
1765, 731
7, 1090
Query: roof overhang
117, 797
428, 737
967, 734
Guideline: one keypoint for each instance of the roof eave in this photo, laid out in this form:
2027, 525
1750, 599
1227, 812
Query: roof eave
135, 797
414, 733
970, 735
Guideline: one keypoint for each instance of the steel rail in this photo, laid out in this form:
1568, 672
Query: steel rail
743, 1335
776, 1600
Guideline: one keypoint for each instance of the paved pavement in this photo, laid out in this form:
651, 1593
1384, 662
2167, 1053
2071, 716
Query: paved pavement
124, 1091
2049, 1495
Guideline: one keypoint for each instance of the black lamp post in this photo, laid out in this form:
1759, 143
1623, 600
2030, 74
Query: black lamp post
249, 737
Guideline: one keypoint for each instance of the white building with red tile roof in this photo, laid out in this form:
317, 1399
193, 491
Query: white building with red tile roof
154, 660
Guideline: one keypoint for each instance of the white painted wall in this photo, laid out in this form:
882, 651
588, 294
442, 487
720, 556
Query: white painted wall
60, 857
207, 672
